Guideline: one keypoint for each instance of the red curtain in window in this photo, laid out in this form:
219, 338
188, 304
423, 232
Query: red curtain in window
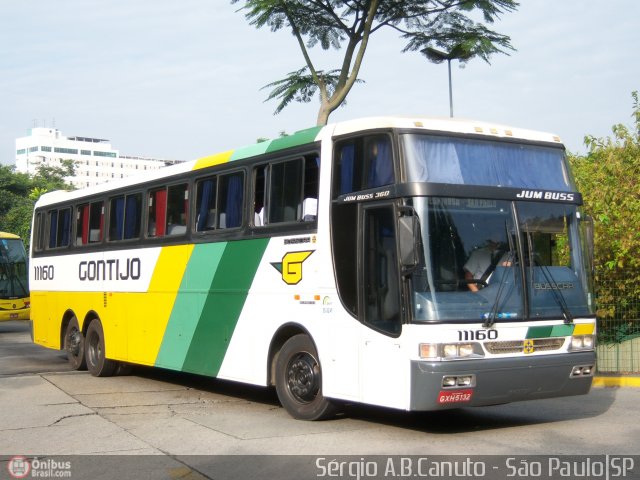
161, 212
85, 224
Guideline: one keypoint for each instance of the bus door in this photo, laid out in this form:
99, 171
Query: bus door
383, 369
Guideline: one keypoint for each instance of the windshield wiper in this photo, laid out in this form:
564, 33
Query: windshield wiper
555, 293
491, 318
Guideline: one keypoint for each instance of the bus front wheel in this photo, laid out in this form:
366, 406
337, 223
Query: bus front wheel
97, 363
74, 345
299, 380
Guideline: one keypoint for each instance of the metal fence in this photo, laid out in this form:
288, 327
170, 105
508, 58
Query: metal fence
618, 308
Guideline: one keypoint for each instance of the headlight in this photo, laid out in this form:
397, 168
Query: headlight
450, 351
465, 350
429, 350
582, 342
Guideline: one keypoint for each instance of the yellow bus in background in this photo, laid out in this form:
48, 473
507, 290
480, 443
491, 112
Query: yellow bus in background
14, 285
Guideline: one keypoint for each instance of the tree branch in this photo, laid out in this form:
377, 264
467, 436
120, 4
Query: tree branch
340, 94
307, 58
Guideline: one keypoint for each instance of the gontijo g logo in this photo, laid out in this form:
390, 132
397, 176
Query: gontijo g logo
291, 266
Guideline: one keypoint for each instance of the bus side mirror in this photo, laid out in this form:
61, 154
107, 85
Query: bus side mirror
408, 231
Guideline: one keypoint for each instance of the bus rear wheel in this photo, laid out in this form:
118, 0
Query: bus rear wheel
299, 381
73, 344
97, 363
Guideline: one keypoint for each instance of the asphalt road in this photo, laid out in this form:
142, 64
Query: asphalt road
46, 409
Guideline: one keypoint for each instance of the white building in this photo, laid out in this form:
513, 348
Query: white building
94, 158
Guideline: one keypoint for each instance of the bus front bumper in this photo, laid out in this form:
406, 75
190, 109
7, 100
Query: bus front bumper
22, 314
497, 381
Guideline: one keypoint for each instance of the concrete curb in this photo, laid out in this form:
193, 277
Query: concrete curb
604, 381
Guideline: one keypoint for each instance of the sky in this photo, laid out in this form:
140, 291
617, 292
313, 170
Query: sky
182, 79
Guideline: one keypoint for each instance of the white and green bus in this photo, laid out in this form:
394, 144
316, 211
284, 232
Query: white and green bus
412, 263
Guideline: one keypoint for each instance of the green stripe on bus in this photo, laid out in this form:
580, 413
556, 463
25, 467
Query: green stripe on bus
548, 331
249, 151
299, 138
190, 300
539, 332
562, 330
223, 305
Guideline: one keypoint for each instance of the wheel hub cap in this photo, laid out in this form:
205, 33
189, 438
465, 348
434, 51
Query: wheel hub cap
303, 378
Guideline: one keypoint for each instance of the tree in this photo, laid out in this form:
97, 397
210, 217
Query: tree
13, 186
347, 25
607, 177
48, 178
19, 192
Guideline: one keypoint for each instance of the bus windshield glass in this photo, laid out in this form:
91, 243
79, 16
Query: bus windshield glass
13, 269
461, 161
499, 260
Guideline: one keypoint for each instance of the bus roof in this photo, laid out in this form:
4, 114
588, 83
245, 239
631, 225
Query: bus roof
445, 125
310, 135
9, 235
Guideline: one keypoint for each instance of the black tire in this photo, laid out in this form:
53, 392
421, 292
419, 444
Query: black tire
299, 381
94, 350
73, 344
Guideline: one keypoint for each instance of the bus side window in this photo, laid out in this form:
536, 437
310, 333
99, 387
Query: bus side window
230, 200
38, 233
125, 213
59, 227
285, 193
344, 171
89, 223
96, 222
177, 209
363, 163
309, 211
378, 161
259, 194
206, 204
293, 190
156, 212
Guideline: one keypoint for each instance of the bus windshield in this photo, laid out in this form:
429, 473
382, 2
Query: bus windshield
13, 269
499, 260
462, 161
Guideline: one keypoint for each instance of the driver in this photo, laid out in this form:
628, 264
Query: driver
483, 261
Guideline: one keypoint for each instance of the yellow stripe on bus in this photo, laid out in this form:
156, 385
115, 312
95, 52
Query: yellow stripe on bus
212, 160
148, 313
583, 329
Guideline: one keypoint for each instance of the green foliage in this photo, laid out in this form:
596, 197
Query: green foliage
19, 192
301, 87
608, 176
347, 25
